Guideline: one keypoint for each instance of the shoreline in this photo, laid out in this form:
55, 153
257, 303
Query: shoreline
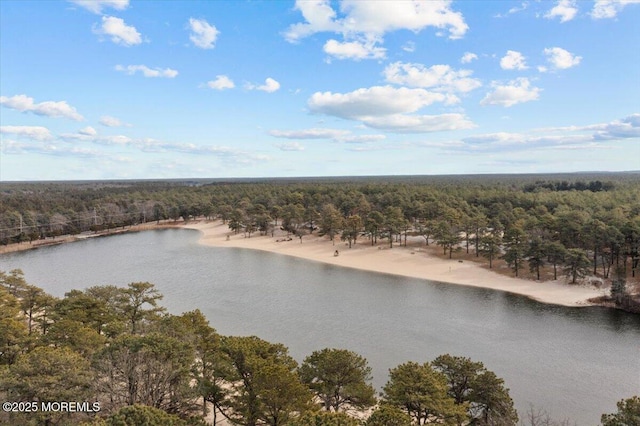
412, 262
64, 239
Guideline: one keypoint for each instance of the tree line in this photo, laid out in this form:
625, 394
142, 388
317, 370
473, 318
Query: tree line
118, 346
575, 225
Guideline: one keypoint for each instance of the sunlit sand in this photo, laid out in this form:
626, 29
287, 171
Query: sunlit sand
409, 261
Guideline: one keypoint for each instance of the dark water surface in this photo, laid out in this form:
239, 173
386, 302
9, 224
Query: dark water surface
575, 363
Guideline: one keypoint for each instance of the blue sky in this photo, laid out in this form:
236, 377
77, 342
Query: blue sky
118, 89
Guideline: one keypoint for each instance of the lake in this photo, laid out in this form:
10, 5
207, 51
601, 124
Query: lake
574, 363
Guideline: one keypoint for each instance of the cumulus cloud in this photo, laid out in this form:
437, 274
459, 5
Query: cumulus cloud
146, 71
24, 103
603, 9
561, 59
440, 78
88, 131
628, 127
565, 10
513, 61
270, 85
468, 57
96, 6
119, 32
221, 82
31, 132
319, 17
109, 121
203, 34
354, 50
373, 101
515, 92
364, 24
387, 108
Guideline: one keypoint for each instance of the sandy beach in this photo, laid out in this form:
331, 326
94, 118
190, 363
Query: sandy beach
411, 261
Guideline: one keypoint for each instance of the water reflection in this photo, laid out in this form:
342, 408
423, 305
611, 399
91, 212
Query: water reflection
574, 362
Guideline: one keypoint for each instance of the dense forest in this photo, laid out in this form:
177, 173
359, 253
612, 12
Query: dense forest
119, 356
119, 347
577, 225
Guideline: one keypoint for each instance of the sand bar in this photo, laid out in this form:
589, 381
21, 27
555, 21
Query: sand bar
405, 261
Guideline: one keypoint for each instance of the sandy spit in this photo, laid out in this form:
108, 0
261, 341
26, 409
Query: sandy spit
405, 261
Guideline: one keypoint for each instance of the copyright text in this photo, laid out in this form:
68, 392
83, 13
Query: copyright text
53, 406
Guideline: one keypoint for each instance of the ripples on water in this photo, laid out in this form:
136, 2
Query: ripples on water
574, 362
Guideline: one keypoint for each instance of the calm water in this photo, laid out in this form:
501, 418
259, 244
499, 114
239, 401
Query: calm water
573, 362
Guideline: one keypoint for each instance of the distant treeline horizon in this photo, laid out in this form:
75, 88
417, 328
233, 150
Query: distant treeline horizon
571, 176
580, 224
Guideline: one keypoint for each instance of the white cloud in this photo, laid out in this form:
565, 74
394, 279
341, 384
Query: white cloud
409, 47
384, 16
221, 82
314, 133
119, 32
402, 123
628, 127
150, 145
96, 6
31, 132
113, 140
565, 9
336, 135
440, 78
88, 131
108, 121
319, 17
24, 103
354, 50
560, 58
66, 145
147, 72
373, 101
290, 146
516, 9
603, 9
387, 108
504, 142
568, 137
515, 92
270, 85
15, 147
363, 24
360, 138
203, 34
468, 57
513, 61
